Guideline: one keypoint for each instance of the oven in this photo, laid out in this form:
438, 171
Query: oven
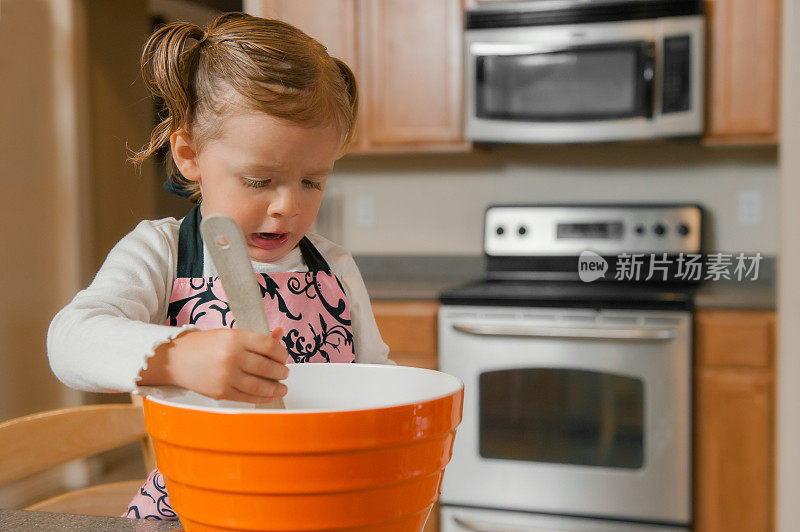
584, 70
577, 395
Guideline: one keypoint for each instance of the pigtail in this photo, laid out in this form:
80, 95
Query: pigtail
352, 92
167, 68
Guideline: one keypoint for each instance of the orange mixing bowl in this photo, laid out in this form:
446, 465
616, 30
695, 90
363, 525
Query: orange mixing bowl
360, 447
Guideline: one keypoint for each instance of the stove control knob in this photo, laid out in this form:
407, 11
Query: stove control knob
500, 230
683, 229
639, 229
659, 229
522, 230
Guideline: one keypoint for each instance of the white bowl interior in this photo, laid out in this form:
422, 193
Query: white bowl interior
332, 388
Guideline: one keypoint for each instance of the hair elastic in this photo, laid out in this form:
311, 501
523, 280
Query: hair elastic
202, 40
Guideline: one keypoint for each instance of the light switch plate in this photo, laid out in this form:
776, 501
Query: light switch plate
365, 211
750, 208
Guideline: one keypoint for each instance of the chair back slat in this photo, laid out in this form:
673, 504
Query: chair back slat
37, 442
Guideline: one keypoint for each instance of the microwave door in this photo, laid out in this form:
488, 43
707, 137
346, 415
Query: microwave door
529, 83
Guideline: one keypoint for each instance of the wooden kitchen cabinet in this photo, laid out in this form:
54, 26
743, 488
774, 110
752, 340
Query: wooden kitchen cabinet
414, 58
743, 65
407, 57
409, 328
734, 421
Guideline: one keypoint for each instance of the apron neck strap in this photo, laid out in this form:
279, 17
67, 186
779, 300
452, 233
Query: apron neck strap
312, 257
190, 249
190, 246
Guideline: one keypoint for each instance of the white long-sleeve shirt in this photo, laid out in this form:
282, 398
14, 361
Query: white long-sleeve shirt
103, 338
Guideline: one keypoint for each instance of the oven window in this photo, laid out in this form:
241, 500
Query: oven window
562, 416
574, 85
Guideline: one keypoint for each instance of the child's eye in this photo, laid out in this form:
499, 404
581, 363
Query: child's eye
312, 184
255, 183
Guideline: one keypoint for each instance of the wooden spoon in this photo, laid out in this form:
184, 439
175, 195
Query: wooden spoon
228, 249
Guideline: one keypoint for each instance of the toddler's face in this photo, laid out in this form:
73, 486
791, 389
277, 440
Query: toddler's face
268, 174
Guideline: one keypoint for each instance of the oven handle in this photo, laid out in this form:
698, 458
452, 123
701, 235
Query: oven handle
486, 527
641, 334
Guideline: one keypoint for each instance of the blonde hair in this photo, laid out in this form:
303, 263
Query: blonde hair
241, 62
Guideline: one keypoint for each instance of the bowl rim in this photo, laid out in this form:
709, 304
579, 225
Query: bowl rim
156, 394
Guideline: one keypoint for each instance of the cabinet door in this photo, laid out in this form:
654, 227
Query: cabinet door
409, 328
734, 451
414, 56
743, 66
334, 23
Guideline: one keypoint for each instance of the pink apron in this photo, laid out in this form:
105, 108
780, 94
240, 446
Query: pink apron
311, 307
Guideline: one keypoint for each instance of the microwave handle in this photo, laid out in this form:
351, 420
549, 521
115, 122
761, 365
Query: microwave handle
479, 49
473, 526
636, 334
648, 78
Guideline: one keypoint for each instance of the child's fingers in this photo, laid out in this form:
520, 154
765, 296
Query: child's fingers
277, 334
256, 386
265, 345
261, 366
238, 395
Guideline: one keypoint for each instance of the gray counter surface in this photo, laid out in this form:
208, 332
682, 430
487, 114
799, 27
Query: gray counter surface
732, 295
21, 520
398, 278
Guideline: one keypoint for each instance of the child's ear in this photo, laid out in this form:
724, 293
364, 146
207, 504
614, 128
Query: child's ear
184, 155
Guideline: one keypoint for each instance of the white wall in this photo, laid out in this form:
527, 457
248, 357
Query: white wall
43, 208
41, 215
433, 204
787, 463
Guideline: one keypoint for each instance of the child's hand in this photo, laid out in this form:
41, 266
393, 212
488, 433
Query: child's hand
223, 364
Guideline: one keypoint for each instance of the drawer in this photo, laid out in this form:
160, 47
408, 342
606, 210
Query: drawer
409, 328
735, 338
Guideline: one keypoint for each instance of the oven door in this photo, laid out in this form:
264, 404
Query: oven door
571, 412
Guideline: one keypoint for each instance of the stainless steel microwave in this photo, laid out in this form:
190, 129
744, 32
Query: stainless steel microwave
584, 70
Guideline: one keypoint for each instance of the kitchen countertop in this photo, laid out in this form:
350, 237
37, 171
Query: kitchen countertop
416, 276
25, 520
409, 288
733, 295
425, 277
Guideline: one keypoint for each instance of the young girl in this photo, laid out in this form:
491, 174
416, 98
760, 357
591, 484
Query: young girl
257, 114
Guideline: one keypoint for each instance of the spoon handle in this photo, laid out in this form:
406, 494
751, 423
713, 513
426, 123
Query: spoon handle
228, 249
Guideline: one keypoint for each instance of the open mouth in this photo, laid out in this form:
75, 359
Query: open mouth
268, 240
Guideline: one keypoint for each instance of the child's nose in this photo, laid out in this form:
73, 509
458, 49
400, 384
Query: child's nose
284, 203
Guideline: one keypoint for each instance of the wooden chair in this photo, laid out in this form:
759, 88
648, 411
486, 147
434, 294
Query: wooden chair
37, 442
